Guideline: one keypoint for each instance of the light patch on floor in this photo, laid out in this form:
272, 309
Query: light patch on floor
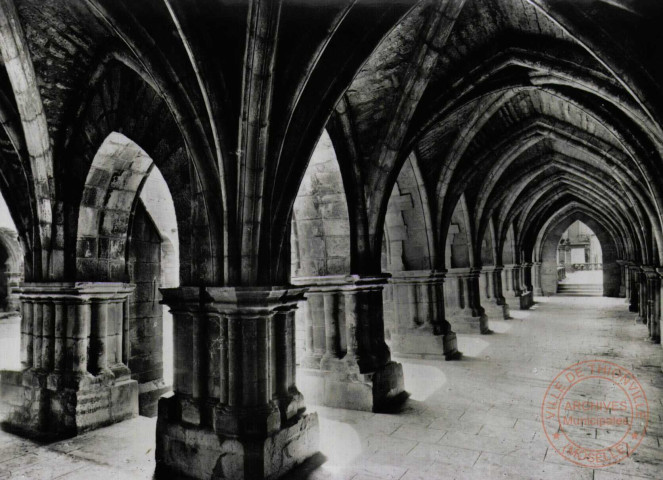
499, 326
421, 380
341, 443
473, 345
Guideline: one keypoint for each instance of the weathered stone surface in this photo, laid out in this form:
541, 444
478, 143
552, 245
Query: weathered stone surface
415, 316
346, 362
457, 135
204, 454
73, 376
462, 302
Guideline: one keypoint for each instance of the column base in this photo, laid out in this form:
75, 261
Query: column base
201, 453
423, 343
371, 392
463, 323
493, 310
526, 300
148, 396
37, 407
538, 292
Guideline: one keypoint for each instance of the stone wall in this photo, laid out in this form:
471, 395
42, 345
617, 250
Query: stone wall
146, 325
321, 227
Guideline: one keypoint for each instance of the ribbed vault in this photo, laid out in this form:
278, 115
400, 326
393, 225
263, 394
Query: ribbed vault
457, 140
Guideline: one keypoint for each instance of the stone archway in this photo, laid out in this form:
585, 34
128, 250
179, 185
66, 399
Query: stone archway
546, 253
11, 269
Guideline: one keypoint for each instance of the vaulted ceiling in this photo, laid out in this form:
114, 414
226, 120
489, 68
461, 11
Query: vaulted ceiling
521, 107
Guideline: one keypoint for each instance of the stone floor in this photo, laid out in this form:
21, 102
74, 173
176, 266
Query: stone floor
476, 418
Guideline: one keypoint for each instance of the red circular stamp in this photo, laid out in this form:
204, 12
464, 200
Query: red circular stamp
595, 413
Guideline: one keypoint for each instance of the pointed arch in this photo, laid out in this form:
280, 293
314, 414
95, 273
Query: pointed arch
459, 252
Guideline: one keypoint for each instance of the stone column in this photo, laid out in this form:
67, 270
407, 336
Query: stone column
513, 280
418, 326
527, 276
633, 287
627, 282
622, 278
490, 293
13, 302
347, 363
235, 411
72, 380
653, 280
463, 302
537, 291
642, 296
527, 295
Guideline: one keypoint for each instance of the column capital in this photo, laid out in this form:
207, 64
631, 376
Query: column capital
464, 272
252, 301
418, 277
647, 269
76, 291
342, 282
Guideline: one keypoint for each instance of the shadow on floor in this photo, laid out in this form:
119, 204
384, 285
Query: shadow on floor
307, 469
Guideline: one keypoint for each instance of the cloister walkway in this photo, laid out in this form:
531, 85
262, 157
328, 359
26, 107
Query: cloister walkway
475, 418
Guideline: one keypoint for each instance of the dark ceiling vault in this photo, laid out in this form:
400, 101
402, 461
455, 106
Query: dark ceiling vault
521, 107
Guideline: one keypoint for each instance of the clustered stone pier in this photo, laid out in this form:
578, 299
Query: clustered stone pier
347, 363
74, 359
235, 411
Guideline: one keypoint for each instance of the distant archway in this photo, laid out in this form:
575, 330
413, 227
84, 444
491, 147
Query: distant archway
546, 251
11, 269
580, 249
11, 260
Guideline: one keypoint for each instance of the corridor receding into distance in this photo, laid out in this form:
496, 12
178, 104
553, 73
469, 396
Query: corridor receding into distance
478, 418
331, 239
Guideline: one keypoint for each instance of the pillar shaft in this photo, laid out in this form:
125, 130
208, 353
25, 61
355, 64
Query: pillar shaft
527, 282
235, 403
515, 281
652, 312
622, 278
463, 301
26, 334
417, 324
537, 290
490, 289
67, 338
354, 370
642, 296
633, 287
